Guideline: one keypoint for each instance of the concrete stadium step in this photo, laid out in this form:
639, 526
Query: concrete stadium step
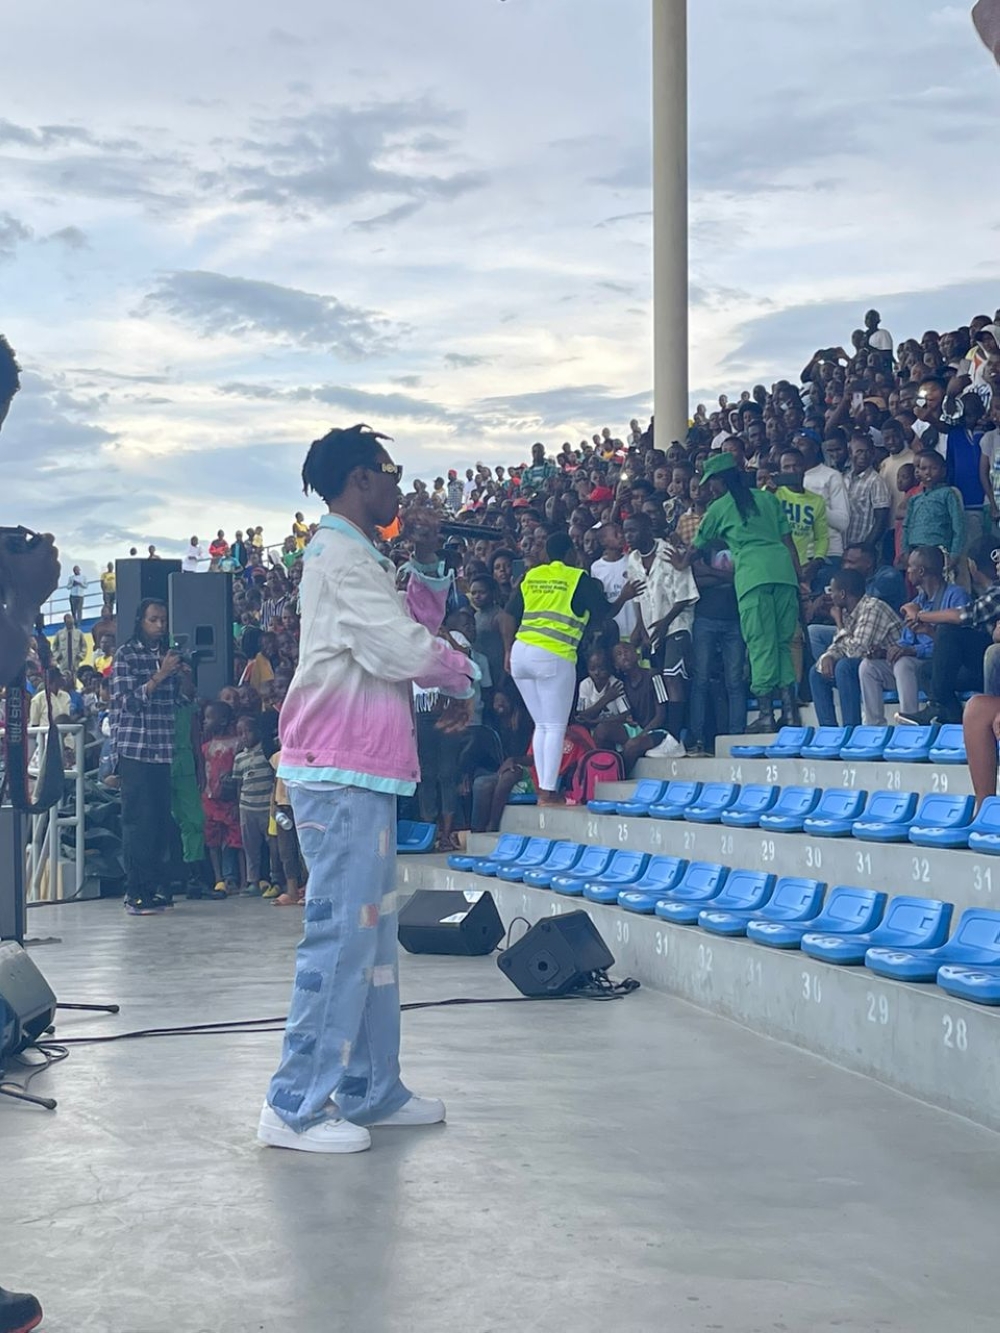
964, 878
912, 1038
870, 777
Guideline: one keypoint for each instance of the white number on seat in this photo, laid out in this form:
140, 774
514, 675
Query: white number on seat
661, 944
982, 879
726, 844
939, 781
814, 857
767, 849
621, 931
863, 860
894, 779
755, 973
623, 833
812, 988
592, 828
689, 839
878, 1009
771, 773
735, 772
705, 957
920, 869
956, 1033
850, 777
809, 774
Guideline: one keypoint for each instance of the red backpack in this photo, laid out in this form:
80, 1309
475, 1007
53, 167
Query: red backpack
594, 767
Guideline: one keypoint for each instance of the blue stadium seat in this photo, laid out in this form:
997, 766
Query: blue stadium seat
981, 985
834, 817
949, 747
827, 743
715, 797
984, 831
676, 799
702, 882
412, 836
509, 847
648, 791
910, 745
942, 821
789, 742
793, 899
975, 943
887, 818
522, 798
563, 857
745, 891
591, 865
626, 868
752, 802
662, 874
790, 810
747, 751
847, 911
866, 743
533, 857
909, 923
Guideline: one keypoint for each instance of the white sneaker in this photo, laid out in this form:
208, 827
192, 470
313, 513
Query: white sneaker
417, 1111
327, 1136
670, 748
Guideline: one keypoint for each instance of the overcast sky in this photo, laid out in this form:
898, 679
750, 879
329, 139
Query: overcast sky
227, 226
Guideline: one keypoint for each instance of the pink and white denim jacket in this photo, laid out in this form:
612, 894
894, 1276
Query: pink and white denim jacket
348, 715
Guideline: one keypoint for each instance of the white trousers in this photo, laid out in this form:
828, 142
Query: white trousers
907, 677
547, 683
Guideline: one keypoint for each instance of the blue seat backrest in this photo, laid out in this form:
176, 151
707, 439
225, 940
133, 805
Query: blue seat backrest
890, 807
756, 796
988, 819
796, 800
829, 738
941, 811
626, 863
593, 861
850, 905
563, 856
535, 852
703, 875
794, 894
950, 737
867, 738
718, 794
840, 803
789, 737
647, 791
978, 928
745, 884
915, 916
905, 739
664, 869
508, 844
680, 793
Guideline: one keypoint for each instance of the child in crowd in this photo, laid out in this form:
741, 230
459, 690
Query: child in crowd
690, 521
284, 835
601, 695
218, 798
906, 484
934, 517
255, 783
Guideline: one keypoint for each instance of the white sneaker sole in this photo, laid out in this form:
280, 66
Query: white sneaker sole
434, 1114
286, 1137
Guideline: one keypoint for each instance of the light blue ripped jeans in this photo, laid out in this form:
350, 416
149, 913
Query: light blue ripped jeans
342, 1037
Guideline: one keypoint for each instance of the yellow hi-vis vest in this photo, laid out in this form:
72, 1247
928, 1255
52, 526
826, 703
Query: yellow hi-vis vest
549, 620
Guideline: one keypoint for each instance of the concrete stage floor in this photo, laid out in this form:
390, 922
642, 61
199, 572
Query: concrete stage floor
637, 1165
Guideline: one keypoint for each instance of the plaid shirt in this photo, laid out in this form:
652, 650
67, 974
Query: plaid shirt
868, 631
142, 720
866, 492
984, 612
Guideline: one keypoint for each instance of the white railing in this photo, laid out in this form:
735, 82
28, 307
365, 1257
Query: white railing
46, 877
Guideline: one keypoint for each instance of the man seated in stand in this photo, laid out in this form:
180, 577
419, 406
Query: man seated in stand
642, 729
881, 581
906, 667
869, 628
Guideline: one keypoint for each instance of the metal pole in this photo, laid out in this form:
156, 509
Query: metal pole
670, 220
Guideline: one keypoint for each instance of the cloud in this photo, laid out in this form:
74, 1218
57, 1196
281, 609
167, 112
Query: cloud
398, 214
73, 238
214, 304
460, 361
581, 405
364, 402
12, 233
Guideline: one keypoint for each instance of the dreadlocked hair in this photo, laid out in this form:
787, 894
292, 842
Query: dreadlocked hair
736, 484
332, 459
140, 615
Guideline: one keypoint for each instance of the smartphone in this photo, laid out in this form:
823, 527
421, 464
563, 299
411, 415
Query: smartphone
517, 568
856, 400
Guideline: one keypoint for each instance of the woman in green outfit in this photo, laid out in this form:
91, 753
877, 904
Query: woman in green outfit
753, 527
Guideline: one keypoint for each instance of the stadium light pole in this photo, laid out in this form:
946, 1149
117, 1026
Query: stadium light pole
670, 220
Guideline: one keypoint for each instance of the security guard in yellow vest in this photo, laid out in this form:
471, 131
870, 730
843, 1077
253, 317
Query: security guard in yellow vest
551, 610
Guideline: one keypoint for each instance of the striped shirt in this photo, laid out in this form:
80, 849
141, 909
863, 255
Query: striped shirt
255, 777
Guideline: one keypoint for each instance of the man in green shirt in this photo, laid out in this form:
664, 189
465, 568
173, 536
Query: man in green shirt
805, 512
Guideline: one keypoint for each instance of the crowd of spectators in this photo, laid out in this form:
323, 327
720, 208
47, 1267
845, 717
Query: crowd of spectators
841, 528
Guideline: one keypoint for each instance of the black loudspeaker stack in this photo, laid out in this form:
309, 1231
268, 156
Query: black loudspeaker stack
27, 1004
556, 956
450, 922
135, 580
201, 624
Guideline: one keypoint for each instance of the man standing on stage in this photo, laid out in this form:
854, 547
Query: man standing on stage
347, 752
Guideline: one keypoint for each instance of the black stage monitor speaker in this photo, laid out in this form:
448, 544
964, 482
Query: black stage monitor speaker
556, 955
450, 921
135, 580
201, 623
27, 1004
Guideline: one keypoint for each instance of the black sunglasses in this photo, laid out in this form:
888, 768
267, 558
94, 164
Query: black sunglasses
394, 470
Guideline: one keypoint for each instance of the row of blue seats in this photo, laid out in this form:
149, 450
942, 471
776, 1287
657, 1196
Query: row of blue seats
905, 938
838, 812
900, 745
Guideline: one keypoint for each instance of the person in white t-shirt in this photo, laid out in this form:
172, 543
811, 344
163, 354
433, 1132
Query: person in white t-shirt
612, 572
828, 483
601, 695
195, 559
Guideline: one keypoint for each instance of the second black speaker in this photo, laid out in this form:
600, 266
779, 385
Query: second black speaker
201, 623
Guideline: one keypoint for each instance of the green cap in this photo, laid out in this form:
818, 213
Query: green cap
718, 463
